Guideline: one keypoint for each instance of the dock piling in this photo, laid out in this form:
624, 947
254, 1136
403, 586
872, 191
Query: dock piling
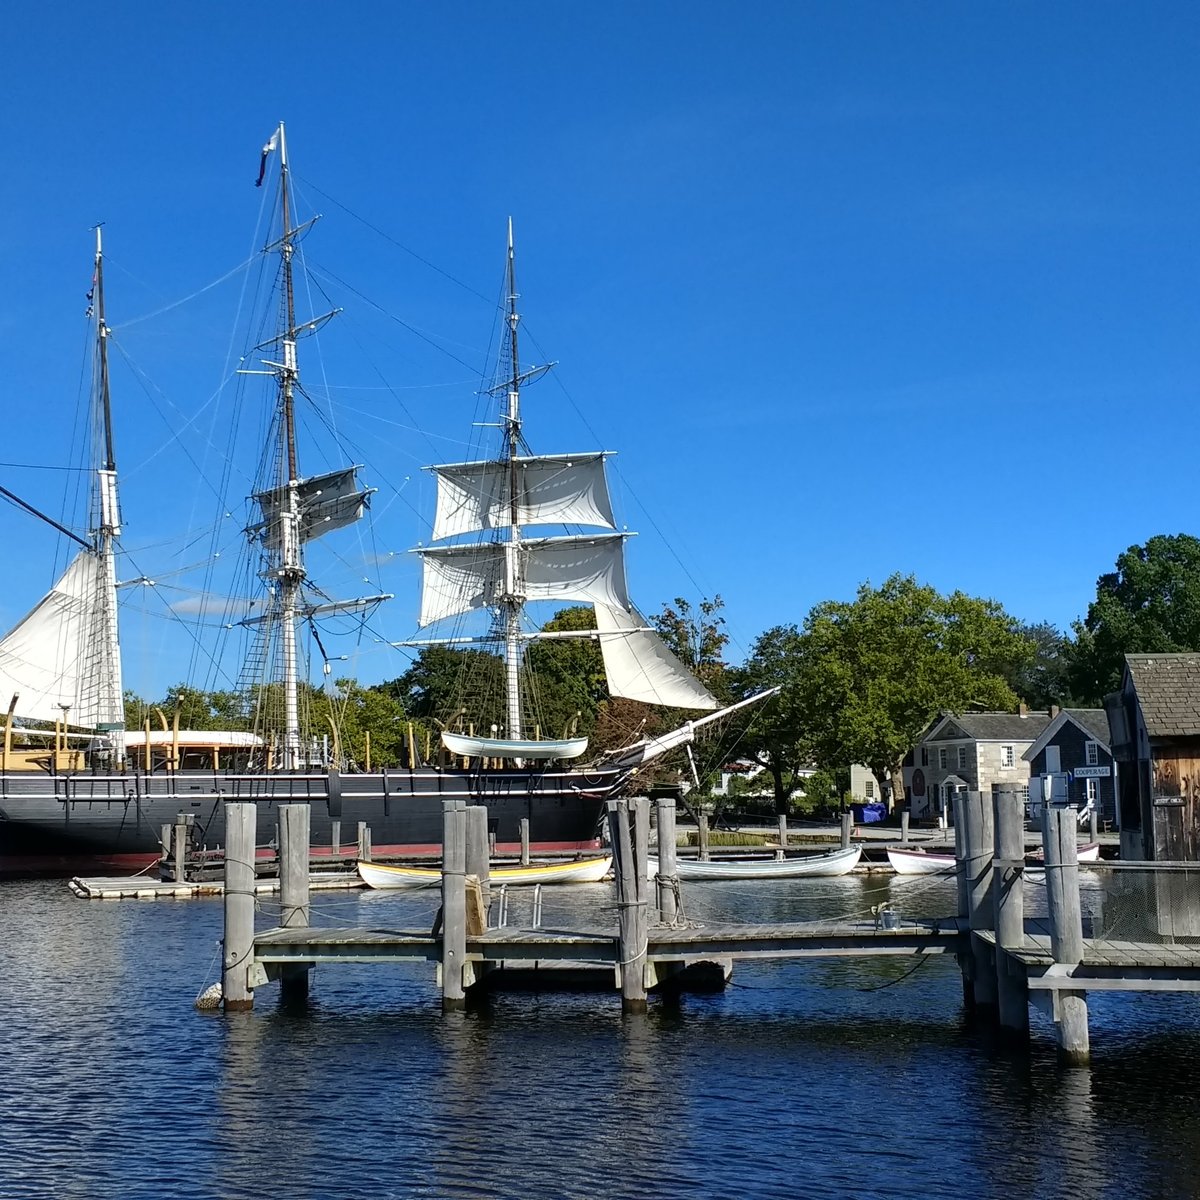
181, 842
241, 821
364, 841
781, 853
454, 904
295, 822
632, 947
524, 841
667, 880
479, 850
1066, 928
1008, 892
904, 817
979, 844
847, 827
702, 836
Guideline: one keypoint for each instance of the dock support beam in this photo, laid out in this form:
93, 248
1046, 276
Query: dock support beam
667, 880
241, 826
479, 848
1066, 928
1008, 892
454, 904
631, 935
904, 818
702, 836
364, 841
524, 841
973, 847
295, 822
847, 827
781, 853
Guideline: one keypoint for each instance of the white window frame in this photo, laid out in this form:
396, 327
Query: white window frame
1091, 754
941, 758
962, 758
869, 789
1091, 793
1008, 756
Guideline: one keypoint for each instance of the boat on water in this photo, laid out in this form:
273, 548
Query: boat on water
912, 860
829, 864
583, 870
78, 791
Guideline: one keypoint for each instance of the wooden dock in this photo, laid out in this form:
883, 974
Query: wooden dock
1008, 961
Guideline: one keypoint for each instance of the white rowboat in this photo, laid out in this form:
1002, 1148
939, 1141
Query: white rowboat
914, 861
833, 862
584, 870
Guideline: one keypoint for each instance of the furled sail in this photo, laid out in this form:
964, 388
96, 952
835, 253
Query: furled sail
326, 502
50, 659
639, 665
552, 489
459, 579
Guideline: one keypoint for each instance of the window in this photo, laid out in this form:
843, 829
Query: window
924, 756
869, 789
942, 758
1091, 792
1006, 756
962, 758
1092, 754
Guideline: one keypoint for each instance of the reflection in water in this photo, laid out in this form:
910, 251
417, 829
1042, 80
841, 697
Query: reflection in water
814, 1079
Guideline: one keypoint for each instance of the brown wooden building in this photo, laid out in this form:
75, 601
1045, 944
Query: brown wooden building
1154, 721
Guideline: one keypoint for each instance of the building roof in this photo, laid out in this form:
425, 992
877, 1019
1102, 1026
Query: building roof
1168, 691
1093, 722
997, 726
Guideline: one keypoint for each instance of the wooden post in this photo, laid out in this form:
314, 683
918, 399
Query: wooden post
781, 853
977, 868
524, 841
667, 882
904, 816
294, 826
146, 759
364, 841
175, 740
8, 728
847, 826
181, 839
454, 904
478, 862
1008, 893
631, 954
1066, 928
367, 752
241, 821
412, 747
1094, 820
702, 836
335, 837
966, 964
166, 866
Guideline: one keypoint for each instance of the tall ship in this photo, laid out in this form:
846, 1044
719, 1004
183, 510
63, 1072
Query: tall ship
512, 534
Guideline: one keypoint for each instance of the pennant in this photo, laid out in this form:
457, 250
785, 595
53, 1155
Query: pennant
262, 166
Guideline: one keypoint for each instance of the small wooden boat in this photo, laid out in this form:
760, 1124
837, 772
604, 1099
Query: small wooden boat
583, 870
833, 862
912, 860
476, 747
1088, 852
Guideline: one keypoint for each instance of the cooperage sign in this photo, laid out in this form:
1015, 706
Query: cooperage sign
1092, 772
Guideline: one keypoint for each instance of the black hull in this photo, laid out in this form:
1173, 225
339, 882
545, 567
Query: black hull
69, 823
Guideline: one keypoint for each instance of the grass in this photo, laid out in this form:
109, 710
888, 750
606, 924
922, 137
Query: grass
721, 837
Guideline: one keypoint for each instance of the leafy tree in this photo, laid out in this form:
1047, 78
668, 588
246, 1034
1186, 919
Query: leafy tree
444, 682
566, 676
1044, 679
776, 734
1150, 603
876, 669
697, 637
354, 711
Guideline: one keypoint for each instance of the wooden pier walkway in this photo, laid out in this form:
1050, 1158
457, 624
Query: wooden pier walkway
1145, 940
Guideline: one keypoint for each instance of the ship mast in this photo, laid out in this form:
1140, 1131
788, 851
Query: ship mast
291, 565
111, 700
513, 600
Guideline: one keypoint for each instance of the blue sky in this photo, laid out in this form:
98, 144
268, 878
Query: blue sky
851, 288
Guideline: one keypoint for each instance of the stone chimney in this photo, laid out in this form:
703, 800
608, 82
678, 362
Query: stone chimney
1022, 709
1054, 711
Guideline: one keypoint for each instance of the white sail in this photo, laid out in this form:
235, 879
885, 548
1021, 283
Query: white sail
459, 579
50, 660
552, 489
326, 502
639, 665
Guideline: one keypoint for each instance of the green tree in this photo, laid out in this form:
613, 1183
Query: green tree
354, 711
1044, 679
696, 636
776, 732
876, 669
1149, 604
565, 676
444, 683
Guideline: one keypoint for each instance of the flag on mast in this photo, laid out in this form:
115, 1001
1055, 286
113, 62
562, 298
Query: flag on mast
262, 166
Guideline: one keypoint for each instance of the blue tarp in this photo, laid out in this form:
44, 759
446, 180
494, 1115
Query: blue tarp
868, 814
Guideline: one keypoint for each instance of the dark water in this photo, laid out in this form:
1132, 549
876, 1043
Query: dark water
811, 1079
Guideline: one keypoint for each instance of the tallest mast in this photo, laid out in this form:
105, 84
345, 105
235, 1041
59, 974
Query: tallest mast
110, 703
291, 565
514, 599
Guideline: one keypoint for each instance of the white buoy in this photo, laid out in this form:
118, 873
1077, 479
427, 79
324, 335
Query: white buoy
210, 998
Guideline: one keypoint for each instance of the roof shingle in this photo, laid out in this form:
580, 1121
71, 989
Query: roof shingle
1168, 691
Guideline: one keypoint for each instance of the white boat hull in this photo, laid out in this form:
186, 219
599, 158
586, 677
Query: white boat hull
833, 863
584, 870
918, 862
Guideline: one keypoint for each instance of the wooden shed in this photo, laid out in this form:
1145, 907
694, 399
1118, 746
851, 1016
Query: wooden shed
1154, 722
